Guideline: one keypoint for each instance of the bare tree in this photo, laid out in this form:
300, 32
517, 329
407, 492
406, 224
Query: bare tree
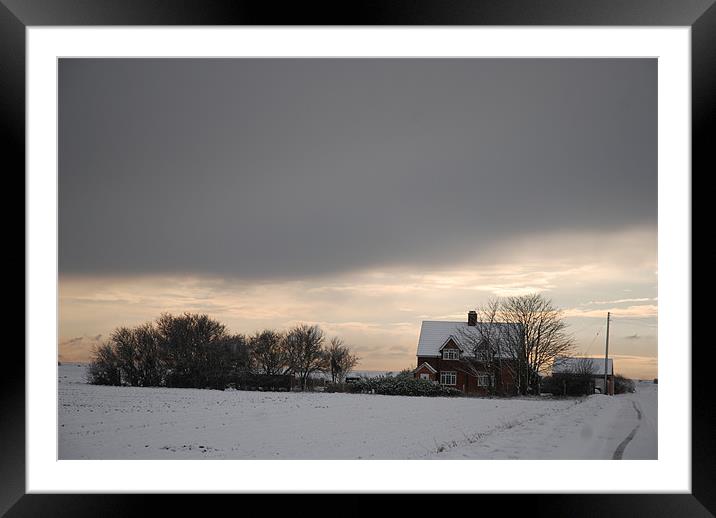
227, 360
340, 359
268, 352
135, 355
571, 376
482, 345
304, 351
148, 362
189, 343
123, 342
189, 350
538, 336
104, 367
582, 373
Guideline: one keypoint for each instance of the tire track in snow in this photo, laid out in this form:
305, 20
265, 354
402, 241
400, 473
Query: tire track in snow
479, 436
622, 445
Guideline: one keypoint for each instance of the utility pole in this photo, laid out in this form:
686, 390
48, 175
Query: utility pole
606, 357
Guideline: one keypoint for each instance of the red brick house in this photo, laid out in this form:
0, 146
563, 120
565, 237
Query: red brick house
446, 356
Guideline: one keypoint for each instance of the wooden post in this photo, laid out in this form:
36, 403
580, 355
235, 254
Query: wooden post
606, 358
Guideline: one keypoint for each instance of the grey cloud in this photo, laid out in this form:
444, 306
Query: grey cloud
285, 168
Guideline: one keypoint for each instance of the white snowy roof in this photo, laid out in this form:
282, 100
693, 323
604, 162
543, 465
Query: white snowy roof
426, 364
567, 364
434, 334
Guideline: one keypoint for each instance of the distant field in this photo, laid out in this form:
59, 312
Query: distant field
98, 422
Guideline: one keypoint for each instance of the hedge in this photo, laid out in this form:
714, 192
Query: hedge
401, 386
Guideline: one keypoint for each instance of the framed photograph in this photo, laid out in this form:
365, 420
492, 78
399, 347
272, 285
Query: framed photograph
409, 250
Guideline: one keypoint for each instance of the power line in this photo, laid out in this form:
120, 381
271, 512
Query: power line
606, 356
591, 343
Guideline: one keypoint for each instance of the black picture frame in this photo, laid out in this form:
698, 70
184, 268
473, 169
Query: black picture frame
700, 15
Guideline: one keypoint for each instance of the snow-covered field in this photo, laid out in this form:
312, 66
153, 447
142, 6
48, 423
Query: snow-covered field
599, 427
98, 422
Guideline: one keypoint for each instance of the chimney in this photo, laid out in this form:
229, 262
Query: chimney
472, 318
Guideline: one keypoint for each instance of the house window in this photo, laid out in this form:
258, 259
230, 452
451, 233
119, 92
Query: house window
424, 376
481, 355
448, 378
483, 380
450, 354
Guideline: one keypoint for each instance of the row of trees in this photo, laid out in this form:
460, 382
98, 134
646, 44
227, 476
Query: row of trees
520, 335
193, 350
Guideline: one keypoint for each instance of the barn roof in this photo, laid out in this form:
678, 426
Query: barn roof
570, 364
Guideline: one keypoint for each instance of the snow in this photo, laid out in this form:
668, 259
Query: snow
97, 422
591, 429
434, 334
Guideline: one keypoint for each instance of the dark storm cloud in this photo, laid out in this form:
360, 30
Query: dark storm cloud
292, 167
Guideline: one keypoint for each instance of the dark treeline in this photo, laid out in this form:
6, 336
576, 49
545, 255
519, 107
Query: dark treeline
192, 350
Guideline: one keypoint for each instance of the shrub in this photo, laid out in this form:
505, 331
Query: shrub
338, 387
402, 386
271, 382
406, 373
105, 368
623, 385
567, 384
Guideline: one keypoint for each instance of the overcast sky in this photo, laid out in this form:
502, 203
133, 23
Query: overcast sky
226, 176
